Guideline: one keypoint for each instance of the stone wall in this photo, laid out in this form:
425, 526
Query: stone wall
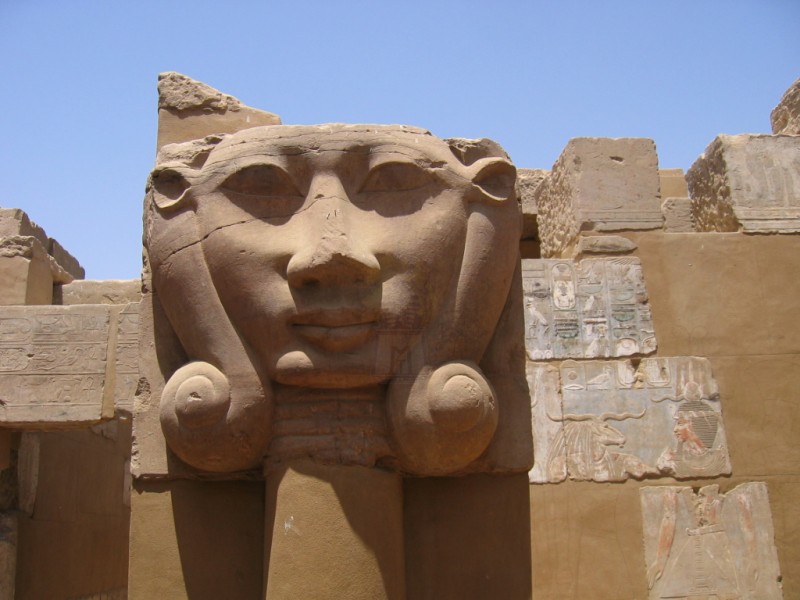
663, 363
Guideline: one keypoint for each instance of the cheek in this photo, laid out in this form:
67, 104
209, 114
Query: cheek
245, 265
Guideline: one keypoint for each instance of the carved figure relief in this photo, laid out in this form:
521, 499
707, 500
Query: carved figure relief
594, 308
616, 421
710, 545
337, 291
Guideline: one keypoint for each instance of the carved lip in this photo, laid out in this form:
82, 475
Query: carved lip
336, 330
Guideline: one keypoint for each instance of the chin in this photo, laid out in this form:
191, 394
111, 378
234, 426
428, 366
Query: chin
310, 369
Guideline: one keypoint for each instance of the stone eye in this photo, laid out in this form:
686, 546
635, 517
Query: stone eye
395, 177
260, 181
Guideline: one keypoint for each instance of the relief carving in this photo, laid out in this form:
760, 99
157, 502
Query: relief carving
340, 292
708, 544
609, 421
593, 308
56, 361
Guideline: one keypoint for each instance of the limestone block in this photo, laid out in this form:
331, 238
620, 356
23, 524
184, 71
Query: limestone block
596, 307
14, 221
527, 182
677, 215
709, 544
599, 184
58, 364
666, 413
8, 553
673, 183
785, 117
88, 291
65, 260
748, 182
605, 244
189, 110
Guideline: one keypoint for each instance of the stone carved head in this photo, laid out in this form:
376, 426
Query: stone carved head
360, 267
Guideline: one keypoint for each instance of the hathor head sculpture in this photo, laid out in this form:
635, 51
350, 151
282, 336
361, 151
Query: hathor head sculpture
354, 265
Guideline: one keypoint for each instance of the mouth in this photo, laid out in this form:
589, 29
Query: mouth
335, 331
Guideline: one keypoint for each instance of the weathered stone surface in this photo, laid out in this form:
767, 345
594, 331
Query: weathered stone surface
14, 221
58, 364
88, 291
249, 236
785, 117
527, 182
544, 383
592, 308
605, 244
710, 545
189, 110
748, 182
33, 276
672, 183
666, 413
65, 260
677, 215
599, 184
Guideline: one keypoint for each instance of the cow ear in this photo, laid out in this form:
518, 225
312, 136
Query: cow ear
495, 178
170, 186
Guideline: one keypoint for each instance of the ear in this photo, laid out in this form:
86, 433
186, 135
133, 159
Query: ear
494, 178
170, 186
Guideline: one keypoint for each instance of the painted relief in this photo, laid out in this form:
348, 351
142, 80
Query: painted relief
593, 308
710, 545
612, 421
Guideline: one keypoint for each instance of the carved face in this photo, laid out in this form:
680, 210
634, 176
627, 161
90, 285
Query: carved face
333, 248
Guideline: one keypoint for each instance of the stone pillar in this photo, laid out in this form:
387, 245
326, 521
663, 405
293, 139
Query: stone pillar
333, 532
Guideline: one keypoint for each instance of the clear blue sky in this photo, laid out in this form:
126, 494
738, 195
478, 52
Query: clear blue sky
78, 79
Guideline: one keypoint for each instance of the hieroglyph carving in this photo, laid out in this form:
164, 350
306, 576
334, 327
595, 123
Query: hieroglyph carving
593, 308
612, 421
337, 290
55, 362
710, 545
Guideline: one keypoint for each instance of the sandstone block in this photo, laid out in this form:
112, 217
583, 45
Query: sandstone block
593, 308
62, 366
27, 271
673, 183
748, 182
677, 215
65, 260
88, 291
666, 412
189, 110
708, 544
527, 182
599, 184
785, 117
14, 221
605, 244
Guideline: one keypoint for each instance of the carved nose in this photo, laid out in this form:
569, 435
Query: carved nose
334, 258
